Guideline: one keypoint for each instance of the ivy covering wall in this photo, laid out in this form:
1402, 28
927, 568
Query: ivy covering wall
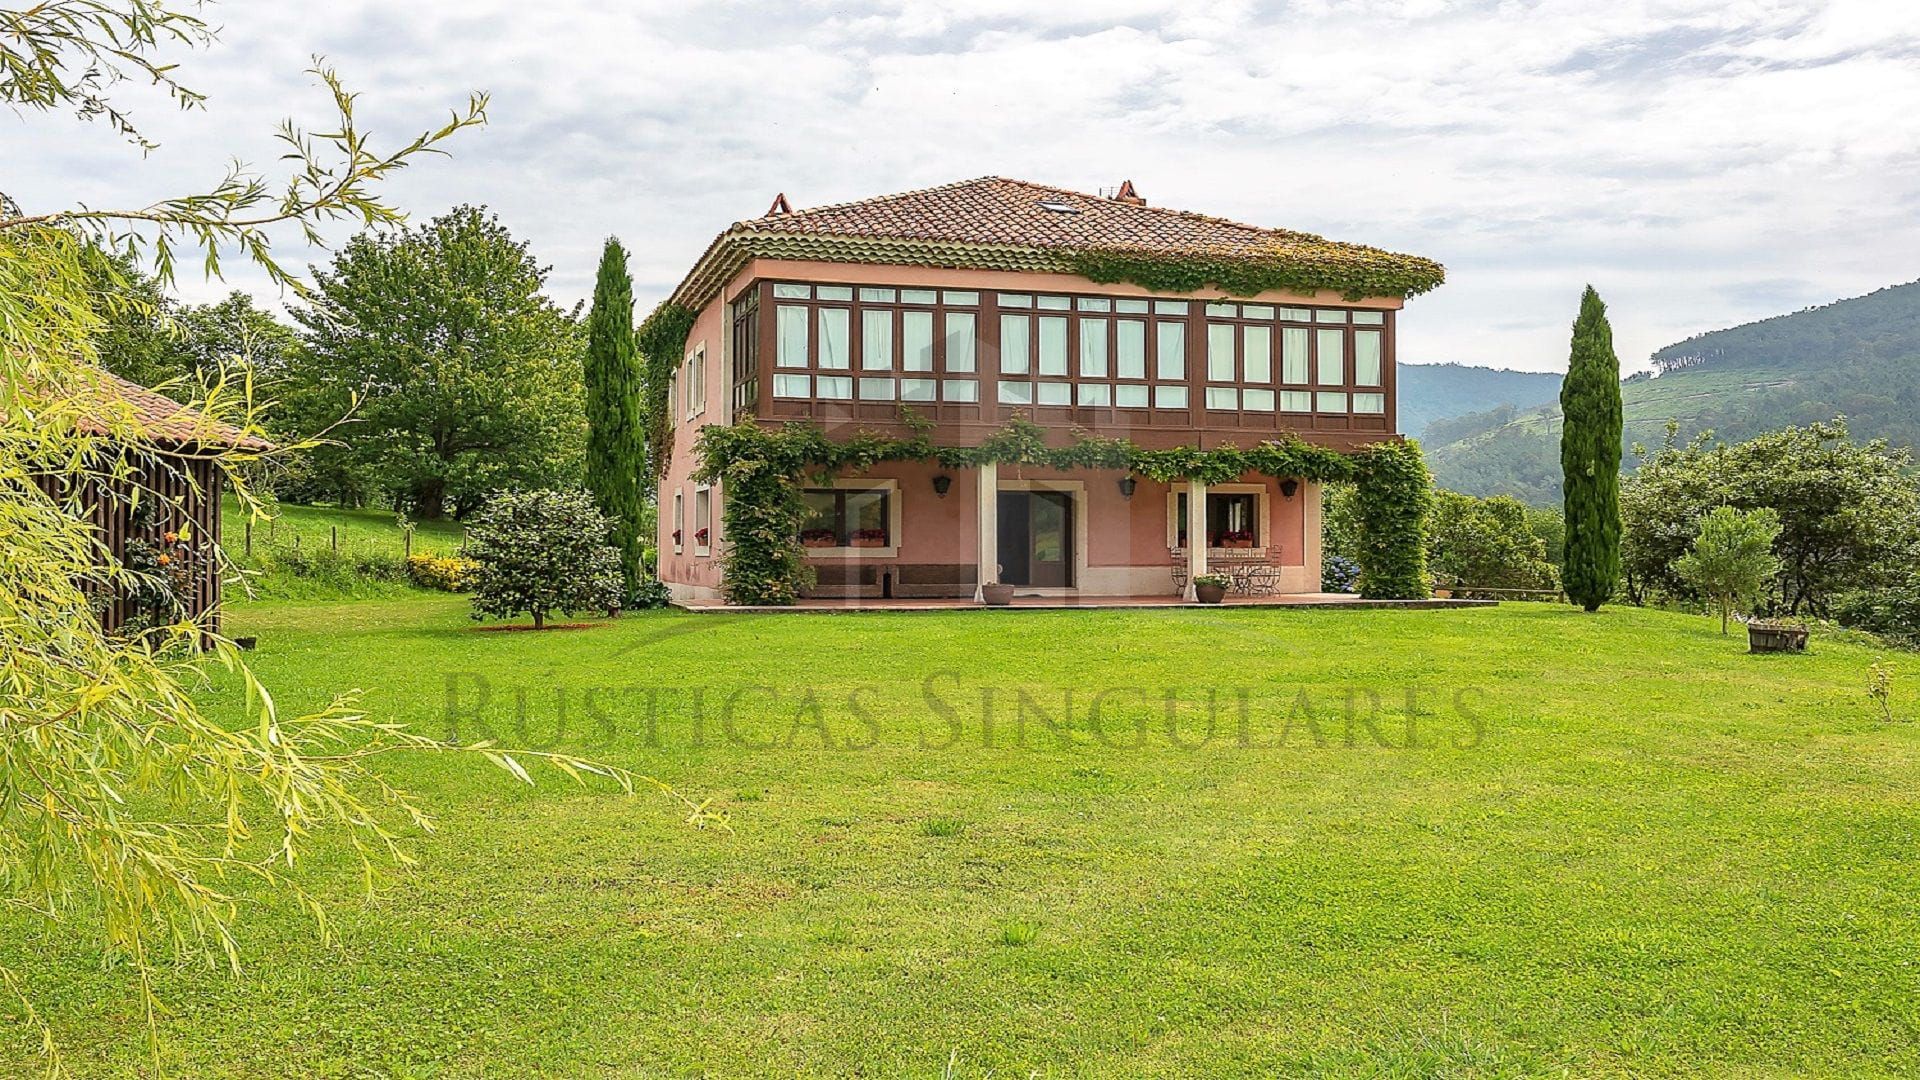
1305, 267
762, 471
1394, 496
661, 340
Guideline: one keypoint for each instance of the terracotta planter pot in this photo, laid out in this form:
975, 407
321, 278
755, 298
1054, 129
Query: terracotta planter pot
819, 543
1776, 638
1210, 594
867, 543
996, 595
1237, 544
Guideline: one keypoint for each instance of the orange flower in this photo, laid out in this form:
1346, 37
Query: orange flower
172, 537
165, 560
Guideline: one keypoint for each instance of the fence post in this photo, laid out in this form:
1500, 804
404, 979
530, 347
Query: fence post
249, 537
409, 542
336, 539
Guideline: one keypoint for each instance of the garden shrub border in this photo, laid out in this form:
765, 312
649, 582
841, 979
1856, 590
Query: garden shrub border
761, 471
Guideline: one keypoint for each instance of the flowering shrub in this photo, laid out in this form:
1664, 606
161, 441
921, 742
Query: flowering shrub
447, 573
543, 551
1338, 574
167, 562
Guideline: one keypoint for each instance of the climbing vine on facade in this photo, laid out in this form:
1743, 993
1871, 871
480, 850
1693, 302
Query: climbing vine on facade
1304, 267
761, 472
660, 340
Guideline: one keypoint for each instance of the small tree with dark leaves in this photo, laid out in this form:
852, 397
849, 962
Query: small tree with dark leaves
540, 552
1732, 558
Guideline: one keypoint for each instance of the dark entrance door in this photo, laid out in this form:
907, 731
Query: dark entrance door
1036, 538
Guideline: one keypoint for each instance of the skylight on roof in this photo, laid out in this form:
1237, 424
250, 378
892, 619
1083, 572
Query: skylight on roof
1059, 207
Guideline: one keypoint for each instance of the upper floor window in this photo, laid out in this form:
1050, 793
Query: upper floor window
746, 352
696, 381
874, 343
882, 343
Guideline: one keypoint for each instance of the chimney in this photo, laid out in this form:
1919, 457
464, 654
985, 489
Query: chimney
779, 207
1127, 195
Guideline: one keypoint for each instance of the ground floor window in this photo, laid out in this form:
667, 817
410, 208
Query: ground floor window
847, 518
702, 521
1232, 519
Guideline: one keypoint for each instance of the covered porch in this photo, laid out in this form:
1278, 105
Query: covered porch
915, 531
816, 605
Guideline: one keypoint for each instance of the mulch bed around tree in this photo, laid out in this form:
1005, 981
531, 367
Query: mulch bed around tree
549, 626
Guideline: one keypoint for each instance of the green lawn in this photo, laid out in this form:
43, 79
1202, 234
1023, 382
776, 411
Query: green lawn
314, 526
339, 546
1644, 853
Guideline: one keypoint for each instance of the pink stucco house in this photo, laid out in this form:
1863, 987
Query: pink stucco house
967, 305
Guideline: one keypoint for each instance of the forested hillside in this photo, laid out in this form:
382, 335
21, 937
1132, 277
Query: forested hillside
1429, 393
1857, 358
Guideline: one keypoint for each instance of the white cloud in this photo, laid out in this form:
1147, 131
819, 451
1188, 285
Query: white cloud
1701, 162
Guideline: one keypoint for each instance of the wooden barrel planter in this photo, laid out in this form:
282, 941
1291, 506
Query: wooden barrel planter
1764, 638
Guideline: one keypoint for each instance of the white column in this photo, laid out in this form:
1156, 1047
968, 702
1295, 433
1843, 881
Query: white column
1196, 534
987, 521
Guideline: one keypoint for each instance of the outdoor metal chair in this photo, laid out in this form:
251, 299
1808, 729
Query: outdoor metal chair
1263, 579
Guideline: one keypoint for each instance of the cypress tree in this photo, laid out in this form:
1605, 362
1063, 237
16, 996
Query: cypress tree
1590, 457
616, 439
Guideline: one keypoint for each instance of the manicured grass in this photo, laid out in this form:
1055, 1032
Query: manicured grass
1645, 853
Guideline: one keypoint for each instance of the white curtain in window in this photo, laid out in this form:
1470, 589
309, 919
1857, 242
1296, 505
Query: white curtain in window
1332, 345
1014, 346
833, 338
1130, 349
790, 339
960, 339
916, 340
1093, 349
1053, 344
876, 340
1366, 357
1219, 352
1170, 350
1293, 354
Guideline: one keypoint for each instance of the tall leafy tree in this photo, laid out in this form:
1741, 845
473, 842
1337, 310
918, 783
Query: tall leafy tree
460, 375
233, 331
1590, 458
1849, 511
616, 440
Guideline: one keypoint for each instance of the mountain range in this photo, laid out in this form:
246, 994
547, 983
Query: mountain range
1858, 358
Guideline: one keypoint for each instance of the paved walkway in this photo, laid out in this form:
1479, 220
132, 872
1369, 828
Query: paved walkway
1061, 603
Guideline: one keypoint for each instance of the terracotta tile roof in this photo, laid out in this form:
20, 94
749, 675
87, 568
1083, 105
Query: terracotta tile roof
166, 421
996, 223
992, 210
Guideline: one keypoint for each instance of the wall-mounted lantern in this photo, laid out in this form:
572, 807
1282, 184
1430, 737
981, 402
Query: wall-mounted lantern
1127, 484
1289, 487
941, 483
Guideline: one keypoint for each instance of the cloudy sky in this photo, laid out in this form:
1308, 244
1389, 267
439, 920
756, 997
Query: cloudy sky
1701, 162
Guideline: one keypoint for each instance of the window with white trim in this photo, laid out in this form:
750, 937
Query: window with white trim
703, 521
696, 381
